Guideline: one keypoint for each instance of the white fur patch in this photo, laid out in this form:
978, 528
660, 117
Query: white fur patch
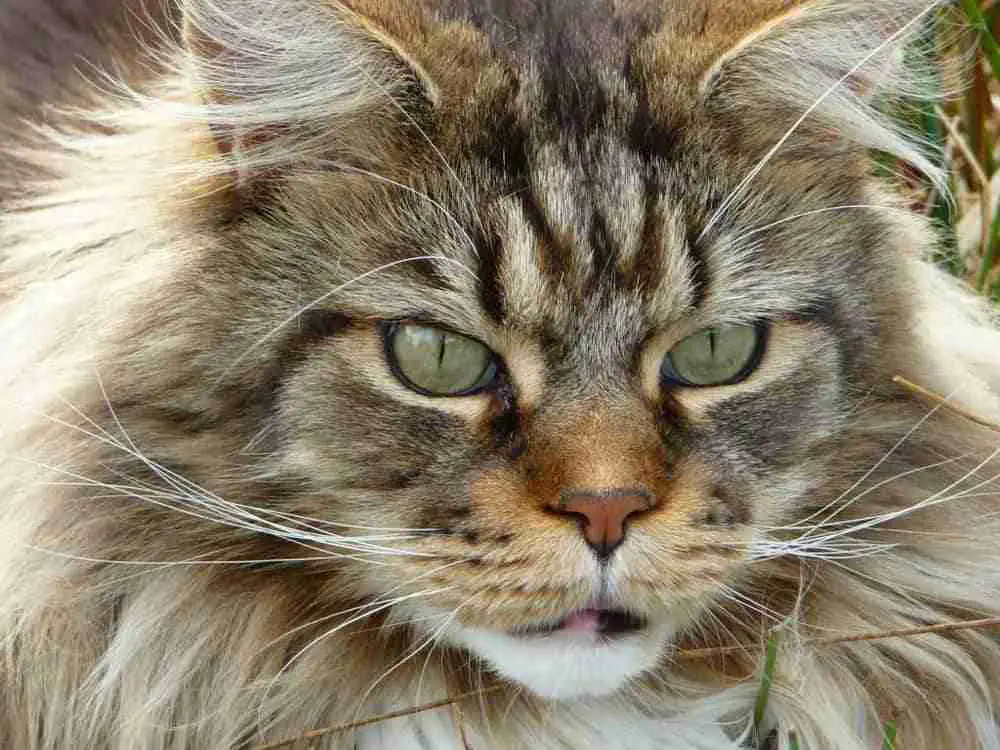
567, 665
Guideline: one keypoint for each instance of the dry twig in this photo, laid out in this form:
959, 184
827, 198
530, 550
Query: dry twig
701, 653
945, 403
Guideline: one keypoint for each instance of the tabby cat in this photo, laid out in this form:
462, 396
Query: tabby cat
359, 354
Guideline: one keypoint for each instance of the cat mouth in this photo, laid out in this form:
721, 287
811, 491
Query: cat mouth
608, 623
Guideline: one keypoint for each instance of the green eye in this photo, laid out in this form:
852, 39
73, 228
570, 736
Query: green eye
723, 355
436, 362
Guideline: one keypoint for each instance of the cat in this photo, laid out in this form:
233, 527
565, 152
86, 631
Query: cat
362, 354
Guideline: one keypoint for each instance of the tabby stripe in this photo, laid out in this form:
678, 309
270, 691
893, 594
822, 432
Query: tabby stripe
557, 261
605, 257
491, 292
647, 266
700, 277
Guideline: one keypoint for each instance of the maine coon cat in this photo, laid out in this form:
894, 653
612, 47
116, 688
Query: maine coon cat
360, 353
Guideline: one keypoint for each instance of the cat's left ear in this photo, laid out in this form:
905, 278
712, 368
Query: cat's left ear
283, 81
834, 65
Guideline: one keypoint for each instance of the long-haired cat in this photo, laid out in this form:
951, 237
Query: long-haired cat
362, 353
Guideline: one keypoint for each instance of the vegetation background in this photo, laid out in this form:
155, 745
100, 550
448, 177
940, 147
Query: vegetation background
961, 126
962, 132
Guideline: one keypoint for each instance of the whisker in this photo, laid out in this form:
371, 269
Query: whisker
837, 544
895, 447
765, 160
193, 562
177, 504
368, 612
413, 191
746, 601
226, 512
326, 618
819, 211
434, 147
327, 295
411, 654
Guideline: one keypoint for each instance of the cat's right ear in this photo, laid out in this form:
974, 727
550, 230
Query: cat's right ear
281, 82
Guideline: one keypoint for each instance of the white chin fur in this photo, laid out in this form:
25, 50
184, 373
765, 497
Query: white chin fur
566, 665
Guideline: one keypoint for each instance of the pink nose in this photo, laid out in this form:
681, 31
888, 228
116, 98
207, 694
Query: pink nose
603, 514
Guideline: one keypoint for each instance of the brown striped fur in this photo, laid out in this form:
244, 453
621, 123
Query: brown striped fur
201, 438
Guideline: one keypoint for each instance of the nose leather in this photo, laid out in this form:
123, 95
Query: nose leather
603, 514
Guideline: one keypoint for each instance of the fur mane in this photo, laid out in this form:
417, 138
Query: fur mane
112, 636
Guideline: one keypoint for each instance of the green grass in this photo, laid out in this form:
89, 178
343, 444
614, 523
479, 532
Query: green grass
968, 141
761, 741
764, 692
889, 736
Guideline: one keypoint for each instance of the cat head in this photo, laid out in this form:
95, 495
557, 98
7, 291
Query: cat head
554, 317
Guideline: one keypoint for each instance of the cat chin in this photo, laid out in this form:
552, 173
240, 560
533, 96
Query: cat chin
563, 666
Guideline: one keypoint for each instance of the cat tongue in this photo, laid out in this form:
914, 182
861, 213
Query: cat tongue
582, 621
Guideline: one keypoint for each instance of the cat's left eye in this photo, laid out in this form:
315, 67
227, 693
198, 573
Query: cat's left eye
437, 362
723, 355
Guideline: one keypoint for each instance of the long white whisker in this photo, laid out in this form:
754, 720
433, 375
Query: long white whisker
837, 544
372, 610
818, 211
738, 191
891, 452
434, 147
229, 513
742, 599
194, 562
828, 521
413, 191
332, 293
306, 522
412, 653
325, 618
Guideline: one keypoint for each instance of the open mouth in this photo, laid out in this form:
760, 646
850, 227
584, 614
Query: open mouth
604, 622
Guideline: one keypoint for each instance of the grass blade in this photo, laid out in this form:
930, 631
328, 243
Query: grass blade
889, 736
989, 45
766, 680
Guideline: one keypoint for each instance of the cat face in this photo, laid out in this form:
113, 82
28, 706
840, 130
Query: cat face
517, 323
569, 415
542, 350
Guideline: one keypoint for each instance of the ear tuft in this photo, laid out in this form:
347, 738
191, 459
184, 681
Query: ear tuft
838, 63
281, 81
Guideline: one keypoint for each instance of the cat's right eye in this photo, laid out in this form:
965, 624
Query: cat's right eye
723, 355
437, 362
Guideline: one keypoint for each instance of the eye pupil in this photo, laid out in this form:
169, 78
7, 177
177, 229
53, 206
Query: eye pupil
723, 355
436, 362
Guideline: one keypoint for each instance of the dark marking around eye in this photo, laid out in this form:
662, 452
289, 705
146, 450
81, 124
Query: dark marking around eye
823, 309
505, 420
311, 327
770, 428
315, 325
673, 428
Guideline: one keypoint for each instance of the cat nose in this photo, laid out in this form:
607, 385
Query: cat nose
602, 514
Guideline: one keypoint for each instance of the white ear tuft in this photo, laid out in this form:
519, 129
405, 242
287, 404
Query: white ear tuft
280, 78
838, 63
